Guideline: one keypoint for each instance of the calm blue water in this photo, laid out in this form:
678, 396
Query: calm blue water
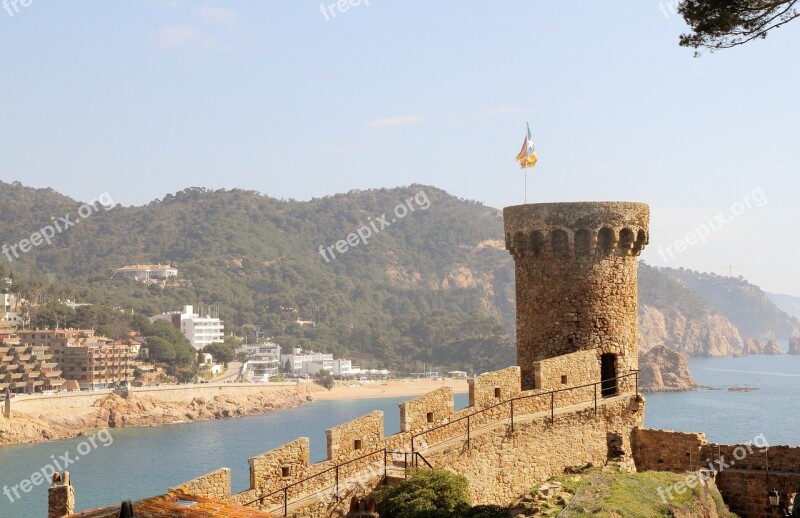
735, 417
143, 462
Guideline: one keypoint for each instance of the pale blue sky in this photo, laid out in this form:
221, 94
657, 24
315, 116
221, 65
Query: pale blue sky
141, 98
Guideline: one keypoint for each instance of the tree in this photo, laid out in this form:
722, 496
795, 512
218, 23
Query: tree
435, 493
722, 24
160, 349
222, 353
325, 379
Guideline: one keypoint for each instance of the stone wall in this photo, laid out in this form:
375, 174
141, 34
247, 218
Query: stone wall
215, 485
357, 437
501, 465
281, 466
662, 450
579, 368
745, 473
493, 387
431, 409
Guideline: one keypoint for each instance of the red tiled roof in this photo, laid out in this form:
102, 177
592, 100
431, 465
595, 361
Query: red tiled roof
169, 506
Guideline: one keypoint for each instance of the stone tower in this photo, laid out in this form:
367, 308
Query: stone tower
576, 281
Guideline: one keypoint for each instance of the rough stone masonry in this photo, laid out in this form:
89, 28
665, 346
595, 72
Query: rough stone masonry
576, 280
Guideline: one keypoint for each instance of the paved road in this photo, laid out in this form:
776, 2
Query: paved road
232, 374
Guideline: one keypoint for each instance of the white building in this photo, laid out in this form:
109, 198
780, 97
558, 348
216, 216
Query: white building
261, 370
298, 359
199, 330
267, 348
146, 272
263, 361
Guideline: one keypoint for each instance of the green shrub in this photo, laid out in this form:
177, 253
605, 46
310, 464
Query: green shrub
433, 493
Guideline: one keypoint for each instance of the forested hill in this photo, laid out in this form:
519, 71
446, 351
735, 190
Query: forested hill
434, 287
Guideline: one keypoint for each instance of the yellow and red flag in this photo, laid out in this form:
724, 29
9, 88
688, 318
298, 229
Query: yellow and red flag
527, 158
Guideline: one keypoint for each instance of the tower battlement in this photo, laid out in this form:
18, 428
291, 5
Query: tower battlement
576, 281
582, 229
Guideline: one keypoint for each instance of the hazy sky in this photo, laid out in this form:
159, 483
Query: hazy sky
141, 98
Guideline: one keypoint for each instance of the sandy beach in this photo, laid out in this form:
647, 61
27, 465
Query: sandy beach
391, 388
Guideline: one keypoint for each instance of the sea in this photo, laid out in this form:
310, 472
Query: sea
134, 463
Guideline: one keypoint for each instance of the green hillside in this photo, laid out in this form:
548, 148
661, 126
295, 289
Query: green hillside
430, 288
434, 287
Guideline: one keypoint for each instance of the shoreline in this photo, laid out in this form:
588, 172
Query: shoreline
64, 416
411, 388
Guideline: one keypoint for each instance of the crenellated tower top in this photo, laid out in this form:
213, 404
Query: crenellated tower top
576, 281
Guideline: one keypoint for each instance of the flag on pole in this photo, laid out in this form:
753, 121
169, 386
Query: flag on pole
527, 158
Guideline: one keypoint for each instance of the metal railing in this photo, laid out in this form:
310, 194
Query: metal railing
552, 394
415, 459
416, 456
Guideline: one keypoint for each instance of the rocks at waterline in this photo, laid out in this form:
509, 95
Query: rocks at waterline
665, 370
773, 348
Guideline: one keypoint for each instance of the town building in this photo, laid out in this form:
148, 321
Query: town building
296, 361
26, 369
263, 361
95, 363
199, 330
146, 273
53, 338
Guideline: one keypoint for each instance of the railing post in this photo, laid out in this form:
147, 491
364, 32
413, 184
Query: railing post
286, 501
637, 384
337, 483
405, 464
552, 407
468, 431
512, 416
385, 468
595, 399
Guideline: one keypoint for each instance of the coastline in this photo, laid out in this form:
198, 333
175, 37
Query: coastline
56, 417
384, 389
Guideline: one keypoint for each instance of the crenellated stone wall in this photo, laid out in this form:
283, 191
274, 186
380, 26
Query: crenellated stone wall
281, 466
429, 410
215, 485
492, 387
356, 437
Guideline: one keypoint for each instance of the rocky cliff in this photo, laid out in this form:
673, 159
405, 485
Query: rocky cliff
794, 345
753, 346
695, 335
113, 411
665, 370
773, 348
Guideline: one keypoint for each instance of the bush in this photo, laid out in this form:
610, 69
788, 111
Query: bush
433, 493
325, 379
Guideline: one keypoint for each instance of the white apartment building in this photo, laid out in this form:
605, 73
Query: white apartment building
263, 361
199, 330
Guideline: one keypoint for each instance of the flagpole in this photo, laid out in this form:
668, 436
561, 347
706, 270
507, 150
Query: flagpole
526, 184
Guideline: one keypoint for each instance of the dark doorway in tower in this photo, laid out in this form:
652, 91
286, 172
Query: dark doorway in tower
608, 374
